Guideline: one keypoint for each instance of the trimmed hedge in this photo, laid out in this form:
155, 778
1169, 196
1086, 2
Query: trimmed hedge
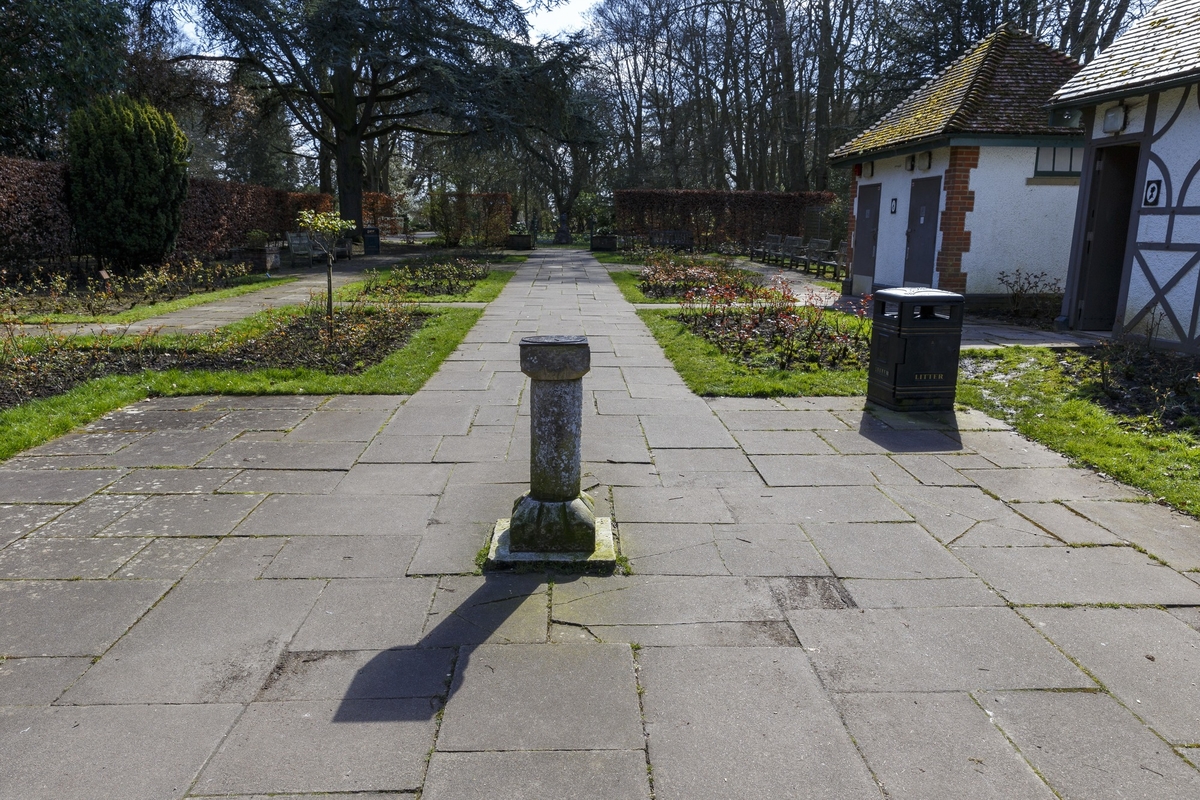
379, 209
35, 222
715, 216
480, 219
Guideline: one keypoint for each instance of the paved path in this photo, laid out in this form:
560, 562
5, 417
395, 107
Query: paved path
210, 316
237, 597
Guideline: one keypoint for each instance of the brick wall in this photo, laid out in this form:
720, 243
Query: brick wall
960, 200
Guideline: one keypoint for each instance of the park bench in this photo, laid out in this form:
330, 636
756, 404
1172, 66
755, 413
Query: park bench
815, 253
769, 248
299, 245
792, 250
341, 247
839, 265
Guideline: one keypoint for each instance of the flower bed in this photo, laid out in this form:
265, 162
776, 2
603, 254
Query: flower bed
363, 336
674, 275
770, 327
425, 278
103, 294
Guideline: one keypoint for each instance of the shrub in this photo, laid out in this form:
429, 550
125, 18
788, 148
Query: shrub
478, 219
128, 180
34, 219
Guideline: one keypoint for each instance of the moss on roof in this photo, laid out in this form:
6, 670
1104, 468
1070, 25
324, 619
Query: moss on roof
1162, 47
1001, 87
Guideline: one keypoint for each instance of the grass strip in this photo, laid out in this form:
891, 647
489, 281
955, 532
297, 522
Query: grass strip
628, 282
707, 371
1027, 388
402, 372
139, 313
485, 290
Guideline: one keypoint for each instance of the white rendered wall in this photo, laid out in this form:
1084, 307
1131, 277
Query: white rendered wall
1015, 225
896, 183
1176, 153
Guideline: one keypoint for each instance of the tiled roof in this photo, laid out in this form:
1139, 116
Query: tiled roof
999, 87
1162, 47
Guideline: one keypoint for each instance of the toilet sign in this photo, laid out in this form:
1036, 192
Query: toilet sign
1153, 193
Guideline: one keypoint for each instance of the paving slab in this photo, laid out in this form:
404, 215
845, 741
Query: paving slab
671, 549
170, 448
672, 430
1086, 746
1008, 449
394, 479
37, 681
68, 559
449, 547
652, 504
235, 559
139, 417
782, 443
1065, 524
109, 752
937, 747
246, 454
53, 486
323, 746
888, 440
172, 481
768, 550
184, 515
415, 449
883, 550
263, 419
70, 618
949, 512
316, 515
745, 722
931, 649
812, 504
343, 557
18, 520
446, 419
203, 643
1146, 657
1043, 484
492, 609
282, 481
367, 614
340, 426
77, 444
797, 470
543, 697
655, 600
1171, 536
167, 558
921, 593
935, 470
564, 775
1085, 575
360, 675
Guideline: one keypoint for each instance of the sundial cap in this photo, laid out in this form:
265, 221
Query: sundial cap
556, 357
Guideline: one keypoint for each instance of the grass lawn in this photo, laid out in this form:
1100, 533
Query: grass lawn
484, 291
707, 371
402, 372
1028, 388
627, 281
251, 283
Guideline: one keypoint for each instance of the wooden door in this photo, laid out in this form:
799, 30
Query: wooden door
924, 202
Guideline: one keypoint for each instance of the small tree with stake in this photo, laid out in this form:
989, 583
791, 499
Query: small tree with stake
325, 227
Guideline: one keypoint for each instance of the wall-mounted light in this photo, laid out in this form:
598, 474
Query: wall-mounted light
868, 169
910, 163
925, 160
1114, 119
1066, 118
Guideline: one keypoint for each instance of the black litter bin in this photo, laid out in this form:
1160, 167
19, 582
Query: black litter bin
915, 339
370, 241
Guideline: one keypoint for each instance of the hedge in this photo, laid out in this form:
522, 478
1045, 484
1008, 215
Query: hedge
379, 209
715, 216
35, 222
481, 219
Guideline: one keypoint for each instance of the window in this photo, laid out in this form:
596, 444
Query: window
1058, 161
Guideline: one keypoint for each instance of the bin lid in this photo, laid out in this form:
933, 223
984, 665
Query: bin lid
918, 295
371, 229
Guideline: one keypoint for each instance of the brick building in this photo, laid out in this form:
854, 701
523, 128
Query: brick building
968, 177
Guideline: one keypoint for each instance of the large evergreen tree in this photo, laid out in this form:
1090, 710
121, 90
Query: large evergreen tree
128, 180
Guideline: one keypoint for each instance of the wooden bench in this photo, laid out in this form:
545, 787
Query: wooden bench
768, 249
300, 245
792, 250
815, 253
